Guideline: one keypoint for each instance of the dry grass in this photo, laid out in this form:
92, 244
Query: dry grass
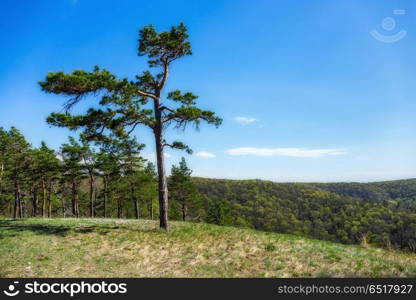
129, 248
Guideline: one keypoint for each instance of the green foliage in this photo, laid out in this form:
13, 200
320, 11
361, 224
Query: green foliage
307, 210
126, 104
185, 198
218, 212
164, 47
270, 247
123, 102
15, 162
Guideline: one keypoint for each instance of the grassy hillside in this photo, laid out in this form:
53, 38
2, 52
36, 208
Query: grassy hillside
124, 248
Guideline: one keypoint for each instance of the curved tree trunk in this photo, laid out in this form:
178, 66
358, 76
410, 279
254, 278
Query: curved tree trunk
162, 182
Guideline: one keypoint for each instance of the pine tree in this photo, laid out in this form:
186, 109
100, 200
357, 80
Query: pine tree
16, 163
3, 152
71, 154
125, 104
89, 162
150, 188
132, 169
109, 167
182, 189
44, 171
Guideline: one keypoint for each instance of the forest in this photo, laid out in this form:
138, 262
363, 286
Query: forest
381, 213
113, 180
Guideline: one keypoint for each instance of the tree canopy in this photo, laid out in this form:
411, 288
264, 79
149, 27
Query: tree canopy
125, 104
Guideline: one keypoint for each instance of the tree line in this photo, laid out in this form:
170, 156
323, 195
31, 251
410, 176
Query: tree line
84, 179
112, 179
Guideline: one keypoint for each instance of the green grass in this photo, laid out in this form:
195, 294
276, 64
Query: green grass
131, 248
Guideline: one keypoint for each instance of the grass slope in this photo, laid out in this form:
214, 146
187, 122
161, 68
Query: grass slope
131, 248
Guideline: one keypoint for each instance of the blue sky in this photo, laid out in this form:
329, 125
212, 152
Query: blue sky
307, 93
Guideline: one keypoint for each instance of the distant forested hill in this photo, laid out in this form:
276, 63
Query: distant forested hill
380, 213
374, 191
401, 193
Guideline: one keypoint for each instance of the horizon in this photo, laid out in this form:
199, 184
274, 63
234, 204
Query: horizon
340, 111
307, 182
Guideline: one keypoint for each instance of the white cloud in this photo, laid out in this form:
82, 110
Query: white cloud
293, 152
205, 154
245, 120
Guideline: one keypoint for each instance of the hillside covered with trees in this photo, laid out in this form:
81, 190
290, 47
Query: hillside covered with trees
378, 213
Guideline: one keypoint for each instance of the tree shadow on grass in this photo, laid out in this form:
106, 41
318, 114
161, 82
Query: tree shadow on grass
10, 228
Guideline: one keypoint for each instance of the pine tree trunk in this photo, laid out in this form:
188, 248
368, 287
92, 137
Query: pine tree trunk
91, 195
16, 200
105, 195
76, 204
43, 198
184, 211
35, 201
23, 211
118, 207
63, 207
50, 200
136, 209
151, 209
19, 201
1, 170
163, 187
136, 203
75, 207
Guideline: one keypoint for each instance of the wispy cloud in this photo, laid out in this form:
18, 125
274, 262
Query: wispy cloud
245, 120
205, 154
293, 152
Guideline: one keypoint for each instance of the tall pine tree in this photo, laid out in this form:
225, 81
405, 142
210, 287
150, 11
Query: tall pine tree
125, 103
